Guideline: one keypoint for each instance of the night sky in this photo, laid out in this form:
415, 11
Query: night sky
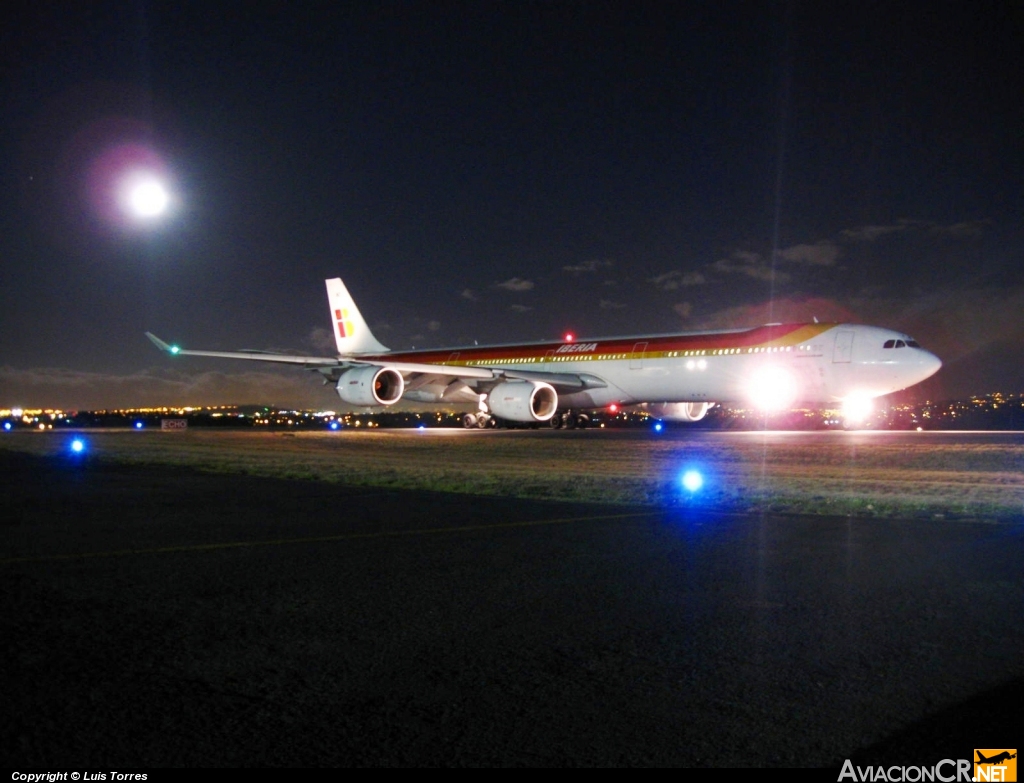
500, 172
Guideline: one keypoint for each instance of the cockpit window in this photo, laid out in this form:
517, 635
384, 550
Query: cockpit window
889, 344
913, 344
900, 344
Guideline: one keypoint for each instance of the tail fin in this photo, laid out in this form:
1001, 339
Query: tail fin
350, 330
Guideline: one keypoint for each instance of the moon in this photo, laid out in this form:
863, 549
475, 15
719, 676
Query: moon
148, 198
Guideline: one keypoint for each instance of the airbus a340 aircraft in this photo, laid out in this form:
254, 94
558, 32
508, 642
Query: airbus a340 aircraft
676, 377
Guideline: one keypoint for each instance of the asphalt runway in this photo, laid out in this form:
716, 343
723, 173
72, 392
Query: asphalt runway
158, 617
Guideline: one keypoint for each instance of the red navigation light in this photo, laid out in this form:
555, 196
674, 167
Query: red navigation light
569, 337
613, 408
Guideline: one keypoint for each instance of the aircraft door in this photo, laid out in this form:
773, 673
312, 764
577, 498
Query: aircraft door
636, 358
844, 348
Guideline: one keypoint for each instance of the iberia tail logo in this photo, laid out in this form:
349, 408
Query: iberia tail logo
345, 328
995, 764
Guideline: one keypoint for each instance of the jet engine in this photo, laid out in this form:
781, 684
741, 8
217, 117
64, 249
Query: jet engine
523, 401
678, 411
371, 386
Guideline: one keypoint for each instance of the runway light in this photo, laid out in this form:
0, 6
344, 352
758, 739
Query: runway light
692, 480
77, 445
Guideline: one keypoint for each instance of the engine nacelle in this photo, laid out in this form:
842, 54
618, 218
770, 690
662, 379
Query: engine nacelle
370, 386
678, 411
523, 401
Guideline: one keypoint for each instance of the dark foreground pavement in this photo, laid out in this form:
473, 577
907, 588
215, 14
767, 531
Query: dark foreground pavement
155, 617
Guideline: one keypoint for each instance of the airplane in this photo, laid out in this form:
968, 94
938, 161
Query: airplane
674, 377
996, 759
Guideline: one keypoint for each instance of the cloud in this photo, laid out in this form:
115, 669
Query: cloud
587, 266
963, 230
51, 387
670, 281
745, 262
607, 304
823, 253
790, 310
871, 233
683, 309
518, 308
470, 294
322, 340
515, 284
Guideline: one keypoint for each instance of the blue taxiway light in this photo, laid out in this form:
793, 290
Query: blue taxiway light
7, 426
692, 480
78, 445
333, 425
658, 426
138, 425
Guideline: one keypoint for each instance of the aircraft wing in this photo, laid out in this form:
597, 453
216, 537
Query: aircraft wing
332, 367
317, 362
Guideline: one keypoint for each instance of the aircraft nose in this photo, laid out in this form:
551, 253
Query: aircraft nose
930, 364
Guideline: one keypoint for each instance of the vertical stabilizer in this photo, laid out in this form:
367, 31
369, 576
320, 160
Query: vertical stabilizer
350, 330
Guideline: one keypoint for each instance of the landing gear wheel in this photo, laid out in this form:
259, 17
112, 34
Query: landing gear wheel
555, 422
582, 421
483, 421
469, 421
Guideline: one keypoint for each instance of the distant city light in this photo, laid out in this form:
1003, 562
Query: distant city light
692, 480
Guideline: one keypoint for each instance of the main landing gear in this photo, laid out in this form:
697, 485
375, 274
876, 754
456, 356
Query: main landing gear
569, 420
479, 421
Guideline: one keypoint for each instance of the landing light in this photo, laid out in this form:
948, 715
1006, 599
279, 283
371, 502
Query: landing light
772, 388
692, 480
857, 408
